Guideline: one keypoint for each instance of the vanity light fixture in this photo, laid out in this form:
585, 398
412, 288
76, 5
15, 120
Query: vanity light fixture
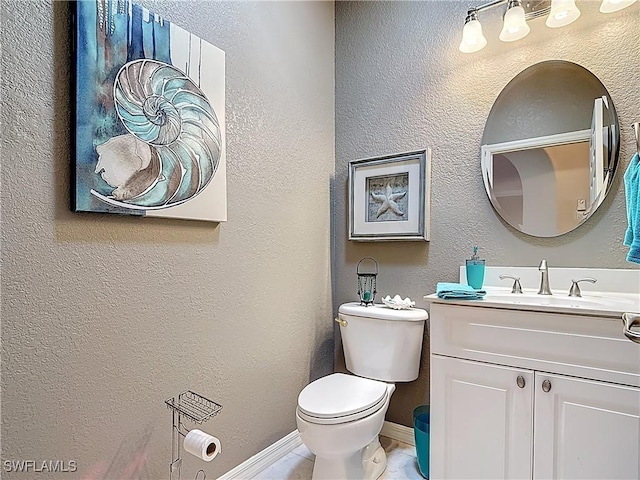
610, 6
515, 27
563, 12
472, 37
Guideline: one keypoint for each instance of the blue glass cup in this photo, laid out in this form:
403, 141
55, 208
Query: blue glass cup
475, 273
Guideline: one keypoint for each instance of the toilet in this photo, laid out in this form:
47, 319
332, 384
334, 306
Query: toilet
340, 416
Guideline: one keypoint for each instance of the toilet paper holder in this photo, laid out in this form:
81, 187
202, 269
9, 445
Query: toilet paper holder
197, 409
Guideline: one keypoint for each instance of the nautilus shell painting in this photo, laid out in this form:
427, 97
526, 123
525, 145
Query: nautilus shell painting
149, 116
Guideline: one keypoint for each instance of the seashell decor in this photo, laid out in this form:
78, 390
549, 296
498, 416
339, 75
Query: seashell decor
397, 303
159, 105
149, 123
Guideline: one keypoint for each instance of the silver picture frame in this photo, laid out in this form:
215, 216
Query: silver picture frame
389, 197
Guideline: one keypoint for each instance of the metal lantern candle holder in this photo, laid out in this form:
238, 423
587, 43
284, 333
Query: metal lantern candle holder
367, 283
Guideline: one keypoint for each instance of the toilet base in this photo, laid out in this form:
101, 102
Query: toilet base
366, 464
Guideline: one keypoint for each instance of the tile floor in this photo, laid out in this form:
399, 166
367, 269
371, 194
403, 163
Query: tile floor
298, 465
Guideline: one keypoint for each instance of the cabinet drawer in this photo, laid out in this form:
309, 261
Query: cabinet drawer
576, 345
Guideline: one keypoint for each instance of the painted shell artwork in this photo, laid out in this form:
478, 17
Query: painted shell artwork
149, 116
173, 144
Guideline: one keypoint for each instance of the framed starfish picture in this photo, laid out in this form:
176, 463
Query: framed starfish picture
389, 197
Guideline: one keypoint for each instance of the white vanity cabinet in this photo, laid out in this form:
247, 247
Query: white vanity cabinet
585, 429
531, 395
481, 421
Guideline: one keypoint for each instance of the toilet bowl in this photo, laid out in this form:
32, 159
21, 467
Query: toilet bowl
340, 416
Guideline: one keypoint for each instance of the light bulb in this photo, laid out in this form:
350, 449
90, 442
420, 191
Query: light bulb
563, 12
515, 25
472, 38
610, 6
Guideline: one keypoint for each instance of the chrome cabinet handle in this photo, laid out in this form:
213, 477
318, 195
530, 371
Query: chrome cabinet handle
517, 288
546, 386
520, 381
574, 291
343, 323
630, 320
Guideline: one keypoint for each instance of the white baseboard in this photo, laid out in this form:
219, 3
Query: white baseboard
261, 460
398, 432
270, 455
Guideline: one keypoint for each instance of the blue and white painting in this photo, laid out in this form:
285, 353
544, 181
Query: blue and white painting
149, 116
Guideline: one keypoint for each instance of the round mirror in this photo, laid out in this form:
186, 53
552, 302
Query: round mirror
550, 148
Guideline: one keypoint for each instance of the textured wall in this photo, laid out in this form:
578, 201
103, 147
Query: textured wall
402, 85
104, 317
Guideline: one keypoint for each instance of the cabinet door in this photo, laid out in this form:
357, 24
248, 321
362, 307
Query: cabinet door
585, 429
481, 420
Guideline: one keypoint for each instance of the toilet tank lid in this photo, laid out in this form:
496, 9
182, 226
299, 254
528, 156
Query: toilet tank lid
383, 312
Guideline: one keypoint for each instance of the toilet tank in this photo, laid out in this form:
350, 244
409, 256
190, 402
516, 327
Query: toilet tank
382, 343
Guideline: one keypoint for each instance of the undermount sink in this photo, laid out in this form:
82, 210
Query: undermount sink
591, 301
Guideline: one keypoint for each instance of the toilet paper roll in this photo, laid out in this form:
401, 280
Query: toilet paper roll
202, 445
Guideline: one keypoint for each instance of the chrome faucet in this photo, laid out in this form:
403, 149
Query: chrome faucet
544, 281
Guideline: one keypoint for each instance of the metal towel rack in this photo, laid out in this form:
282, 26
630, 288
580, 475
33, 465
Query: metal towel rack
636, 132
631, 320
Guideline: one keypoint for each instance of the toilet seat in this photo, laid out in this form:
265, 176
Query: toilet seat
340, 398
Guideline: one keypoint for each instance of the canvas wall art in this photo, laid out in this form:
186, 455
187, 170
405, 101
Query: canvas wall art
149, 116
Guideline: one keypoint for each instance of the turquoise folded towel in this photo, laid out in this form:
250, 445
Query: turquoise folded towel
632, 192
458, 290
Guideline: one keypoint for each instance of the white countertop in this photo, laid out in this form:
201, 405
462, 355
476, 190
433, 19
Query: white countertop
604, 304
616, 291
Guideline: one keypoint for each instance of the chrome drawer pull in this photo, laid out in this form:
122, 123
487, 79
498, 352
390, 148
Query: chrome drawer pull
520, 381
546, 386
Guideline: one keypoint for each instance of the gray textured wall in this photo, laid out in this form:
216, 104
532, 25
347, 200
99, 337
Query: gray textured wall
402, 85
104, 317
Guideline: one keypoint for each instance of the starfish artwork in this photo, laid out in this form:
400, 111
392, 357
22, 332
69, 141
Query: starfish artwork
388, 200
389, 197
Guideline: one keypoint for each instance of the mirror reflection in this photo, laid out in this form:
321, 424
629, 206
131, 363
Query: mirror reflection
550, 148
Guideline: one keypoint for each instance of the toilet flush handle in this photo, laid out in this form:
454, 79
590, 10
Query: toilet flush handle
343, 323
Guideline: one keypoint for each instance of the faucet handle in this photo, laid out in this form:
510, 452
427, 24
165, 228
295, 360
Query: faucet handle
517, 288
543, 265
575, 288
